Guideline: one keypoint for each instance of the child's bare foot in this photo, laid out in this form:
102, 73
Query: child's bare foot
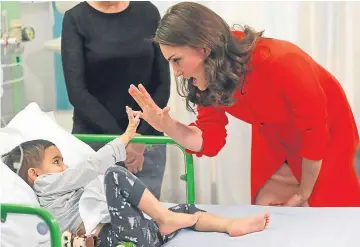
239, 227
171, 222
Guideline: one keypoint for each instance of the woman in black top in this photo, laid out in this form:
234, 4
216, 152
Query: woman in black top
105, 47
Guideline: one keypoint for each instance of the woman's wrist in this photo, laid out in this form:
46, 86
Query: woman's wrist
168, 124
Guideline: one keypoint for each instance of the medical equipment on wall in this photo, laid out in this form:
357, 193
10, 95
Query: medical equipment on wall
12, 39
12, 43
13, 36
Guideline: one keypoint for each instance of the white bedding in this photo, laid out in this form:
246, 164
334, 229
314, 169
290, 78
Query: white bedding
289, 227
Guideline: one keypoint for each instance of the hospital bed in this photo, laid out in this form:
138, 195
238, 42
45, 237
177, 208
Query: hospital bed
289, 227
55, 234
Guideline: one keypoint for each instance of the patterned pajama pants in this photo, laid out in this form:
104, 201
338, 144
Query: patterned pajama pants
128, 224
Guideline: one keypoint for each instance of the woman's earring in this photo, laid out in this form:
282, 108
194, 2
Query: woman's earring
207, 51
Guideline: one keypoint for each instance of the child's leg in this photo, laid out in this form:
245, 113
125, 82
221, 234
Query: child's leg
234, 227
125, 195
127, 221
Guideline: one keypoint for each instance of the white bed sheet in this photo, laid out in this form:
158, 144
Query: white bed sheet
289, 227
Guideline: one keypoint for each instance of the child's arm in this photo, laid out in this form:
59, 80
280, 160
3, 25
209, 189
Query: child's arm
114, 151
96, 164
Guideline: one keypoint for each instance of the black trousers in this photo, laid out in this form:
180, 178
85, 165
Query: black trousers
128, 224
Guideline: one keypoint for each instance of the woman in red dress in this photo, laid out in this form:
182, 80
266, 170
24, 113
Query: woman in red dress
304, 135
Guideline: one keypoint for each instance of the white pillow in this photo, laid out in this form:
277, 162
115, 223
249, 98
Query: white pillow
32, 123
19, 230
51, 114
10, 138
29, 124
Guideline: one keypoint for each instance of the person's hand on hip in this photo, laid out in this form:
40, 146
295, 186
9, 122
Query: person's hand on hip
297, 200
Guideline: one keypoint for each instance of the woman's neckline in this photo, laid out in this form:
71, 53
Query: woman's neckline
97, 11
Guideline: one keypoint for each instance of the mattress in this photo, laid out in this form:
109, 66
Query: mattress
289, 227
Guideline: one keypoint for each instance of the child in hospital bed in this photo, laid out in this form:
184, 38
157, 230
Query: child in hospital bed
60, 188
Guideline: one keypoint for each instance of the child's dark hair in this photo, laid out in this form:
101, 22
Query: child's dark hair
30, 154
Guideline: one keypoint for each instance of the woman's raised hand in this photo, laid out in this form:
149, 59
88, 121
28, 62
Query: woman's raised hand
151, 112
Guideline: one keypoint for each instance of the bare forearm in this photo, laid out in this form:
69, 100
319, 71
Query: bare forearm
310, 173
190, 137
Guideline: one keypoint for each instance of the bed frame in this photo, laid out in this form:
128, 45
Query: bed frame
55, 234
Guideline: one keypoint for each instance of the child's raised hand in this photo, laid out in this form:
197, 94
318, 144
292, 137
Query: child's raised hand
134, 120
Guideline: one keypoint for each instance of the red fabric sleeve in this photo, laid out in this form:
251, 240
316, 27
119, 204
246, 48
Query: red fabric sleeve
211, 121
299, 84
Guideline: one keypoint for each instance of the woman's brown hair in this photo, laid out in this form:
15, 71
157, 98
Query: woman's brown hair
194, 25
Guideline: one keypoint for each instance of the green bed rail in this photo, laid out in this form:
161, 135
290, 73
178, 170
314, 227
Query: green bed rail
55, 234
189, 162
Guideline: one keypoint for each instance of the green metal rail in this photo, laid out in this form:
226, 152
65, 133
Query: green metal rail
189, 162
55, 233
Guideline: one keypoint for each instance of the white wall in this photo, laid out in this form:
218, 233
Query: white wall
356, 66
39, 68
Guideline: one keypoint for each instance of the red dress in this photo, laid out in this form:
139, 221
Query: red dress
296, 109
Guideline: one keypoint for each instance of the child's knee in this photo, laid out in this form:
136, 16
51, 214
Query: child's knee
120, 177
115, 174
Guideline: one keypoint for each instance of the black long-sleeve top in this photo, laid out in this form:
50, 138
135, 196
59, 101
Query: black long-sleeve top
102, 54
